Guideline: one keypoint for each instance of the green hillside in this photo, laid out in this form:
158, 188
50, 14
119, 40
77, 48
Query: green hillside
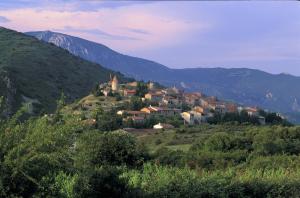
34, 71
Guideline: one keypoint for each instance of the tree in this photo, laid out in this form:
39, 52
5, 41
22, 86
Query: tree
118, 97
110, 94
136, 103
218, 142
60, 105
110, 148
108, 121
1, 102
152, 120
141, 89
61, 102
104, 181
97, 91
185, 107
273, 118
33, 150
97, 112
59, 184
1, 106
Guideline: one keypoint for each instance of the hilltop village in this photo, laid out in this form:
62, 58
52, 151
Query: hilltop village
163, 103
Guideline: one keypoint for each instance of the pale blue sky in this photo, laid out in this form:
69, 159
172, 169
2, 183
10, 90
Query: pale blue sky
261, 35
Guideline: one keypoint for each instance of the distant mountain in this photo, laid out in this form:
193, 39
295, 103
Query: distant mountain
38, 72
246, 86
130, 66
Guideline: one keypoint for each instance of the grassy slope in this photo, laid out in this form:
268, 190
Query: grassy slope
42, 71
87, 105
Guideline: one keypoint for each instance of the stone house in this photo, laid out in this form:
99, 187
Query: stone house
192, 117
163, 111
154, 97
129, 92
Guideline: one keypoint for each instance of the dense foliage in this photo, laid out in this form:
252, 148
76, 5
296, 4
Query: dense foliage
270, 118
66, 155
38, 72
60, 156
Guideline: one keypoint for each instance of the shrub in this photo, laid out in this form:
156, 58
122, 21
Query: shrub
218, 142
110, 148
162, 181
166, 156
101, 182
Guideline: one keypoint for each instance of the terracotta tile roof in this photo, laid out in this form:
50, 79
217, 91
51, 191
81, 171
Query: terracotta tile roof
130, 91
134, 112
147, 108
163, 108
250, 109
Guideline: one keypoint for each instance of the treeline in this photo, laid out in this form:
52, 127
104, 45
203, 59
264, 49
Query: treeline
271, 118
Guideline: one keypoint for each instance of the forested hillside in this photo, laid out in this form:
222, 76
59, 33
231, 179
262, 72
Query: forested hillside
36, 72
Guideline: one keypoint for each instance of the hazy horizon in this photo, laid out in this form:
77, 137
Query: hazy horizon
257, 35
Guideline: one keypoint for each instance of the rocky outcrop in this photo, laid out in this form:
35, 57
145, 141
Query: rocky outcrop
9, 92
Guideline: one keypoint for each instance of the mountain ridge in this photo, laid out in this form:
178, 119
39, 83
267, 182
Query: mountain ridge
41, 36
247, 86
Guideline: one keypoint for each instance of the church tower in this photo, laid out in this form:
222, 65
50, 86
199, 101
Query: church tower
151, 85
115, 84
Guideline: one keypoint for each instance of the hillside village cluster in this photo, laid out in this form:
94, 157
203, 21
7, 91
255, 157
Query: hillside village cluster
169, 102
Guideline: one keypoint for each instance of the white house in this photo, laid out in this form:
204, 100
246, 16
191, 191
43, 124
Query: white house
163, 126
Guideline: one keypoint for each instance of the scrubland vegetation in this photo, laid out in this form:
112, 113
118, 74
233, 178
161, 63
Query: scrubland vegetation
61, 156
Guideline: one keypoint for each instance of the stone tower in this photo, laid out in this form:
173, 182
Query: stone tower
150, 85
115, 84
